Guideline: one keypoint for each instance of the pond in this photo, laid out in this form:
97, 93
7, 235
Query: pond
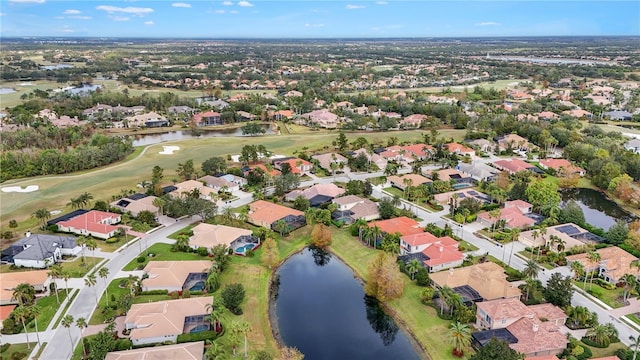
322, 310
598, 210
150, 139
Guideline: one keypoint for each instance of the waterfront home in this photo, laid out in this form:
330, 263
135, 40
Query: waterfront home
562, 166
515, 165
434, 253
207, 118
267, 214
175, 275
401, 225
352, 208
480, 282
209, 236
184, 351
158, 322
39, 279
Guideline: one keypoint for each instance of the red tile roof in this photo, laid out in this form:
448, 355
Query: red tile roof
513, 165
198, 117
92, 221
402, 225
5, 311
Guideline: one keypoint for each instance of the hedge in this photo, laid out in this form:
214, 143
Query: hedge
154, 292
200, 336
592, 343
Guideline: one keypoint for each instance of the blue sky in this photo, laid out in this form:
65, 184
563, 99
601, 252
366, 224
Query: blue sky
316, 19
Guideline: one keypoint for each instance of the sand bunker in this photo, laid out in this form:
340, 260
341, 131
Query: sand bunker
20, 189
168, 150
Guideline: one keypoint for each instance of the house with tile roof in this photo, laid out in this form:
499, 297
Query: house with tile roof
514, 214
266, 214
325, 160
513, 141
209, 236
136, 203
569, 235
189, 186
207, 118
174, 275
411, 180
322, 118
317, 194
534, 330
413, 121
99, 224
401, 225
298, 166
478, 171
39, 279
562, 166
219, 183
5, 311
157, 322
613, 265
373, 158
434, 253
487, 280
39, 250
515, 165
352, 208
459, 149
184, 351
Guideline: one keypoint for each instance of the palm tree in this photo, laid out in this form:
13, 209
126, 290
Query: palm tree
215, 351
55, 272
82, 242
212, 283
595, 258
90, 281
24, 294
23, 313
85, 198
578, 269
374, 233
460, 337
635, 344
104, 273
132, 282
495, 215
182, 242
215, 313
92, 245
629, 281
81, 323
159, 203
535, 235
281, 227
543, 233
66, 275
445, 294
412, 267
529, 286
600, 334
245, 328
34, 312
455, 301
43, 215
228, 214
530, 270
67, 321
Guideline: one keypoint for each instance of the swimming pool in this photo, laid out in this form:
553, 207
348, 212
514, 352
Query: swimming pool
199, 286
461, 186
243, 249
199, 328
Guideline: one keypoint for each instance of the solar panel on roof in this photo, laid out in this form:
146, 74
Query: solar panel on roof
461, 196
137, 196
568, 229
473, 192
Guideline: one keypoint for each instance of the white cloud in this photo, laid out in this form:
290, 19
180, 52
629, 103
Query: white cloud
127, 10
234, 12
314, 25
72, 12
148, 23
353, 7
227, 3
65, 29
244, 3
488, 23
181, 5
28, 1
119, 18
2, 14
220, 11
79, 17
381, 3
58, 17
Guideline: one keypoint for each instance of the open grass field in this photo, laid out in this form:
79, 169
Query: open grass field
24, 87
102, 183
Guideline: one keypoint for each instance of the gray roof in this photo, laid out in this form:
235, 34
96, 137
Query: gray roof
618, 115
478, 170
42, 246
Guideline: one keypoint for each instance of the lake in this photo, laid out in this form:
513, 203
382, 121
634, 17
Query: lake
598, 210
322, 310
150, 139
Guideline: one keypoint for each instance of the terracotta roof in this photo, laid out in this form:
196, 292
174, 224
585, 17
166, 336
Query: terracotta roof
488, 279
458, 148
535, 336
548, 311
439, 254
402, 225
186, 351
8, 281
325, 160
545, 357
198, 117
514, 165
293, 163
556, 164
414, 178
268, 212
272, 172
518, 203
164, 318
615, 260
169, 274
5, 311
208, 236
93, 221
425, 238
513, 217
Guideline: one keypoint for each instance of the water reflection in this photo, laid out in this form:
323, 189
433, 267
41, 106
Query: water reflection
598, 210
380, 322
320, 257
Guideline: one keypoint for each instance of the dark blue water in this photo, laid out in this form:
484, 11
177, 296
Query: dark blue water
598, 210
322, 310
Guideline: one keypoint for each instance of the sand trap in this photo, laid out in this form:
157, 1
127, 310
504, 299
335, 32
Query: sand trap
26, 84
168, 150
55, 212
19, 189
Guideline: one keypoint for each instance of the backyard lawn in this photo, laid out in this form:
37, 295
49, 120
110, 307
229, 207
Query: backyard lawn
17, 348
162, 252
429, 330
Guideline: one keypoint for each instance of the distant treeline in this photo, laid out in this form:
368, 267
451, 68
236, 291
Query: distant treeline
89, 153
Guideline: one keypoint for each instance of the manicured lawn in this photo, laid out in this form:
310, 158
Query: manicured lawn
48, 306
162, 252
633, 318
78, 269
608, 351
66, 307
394, 191
111, 247
467, 246
609, 297
100, 314
17, 348
429, 330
